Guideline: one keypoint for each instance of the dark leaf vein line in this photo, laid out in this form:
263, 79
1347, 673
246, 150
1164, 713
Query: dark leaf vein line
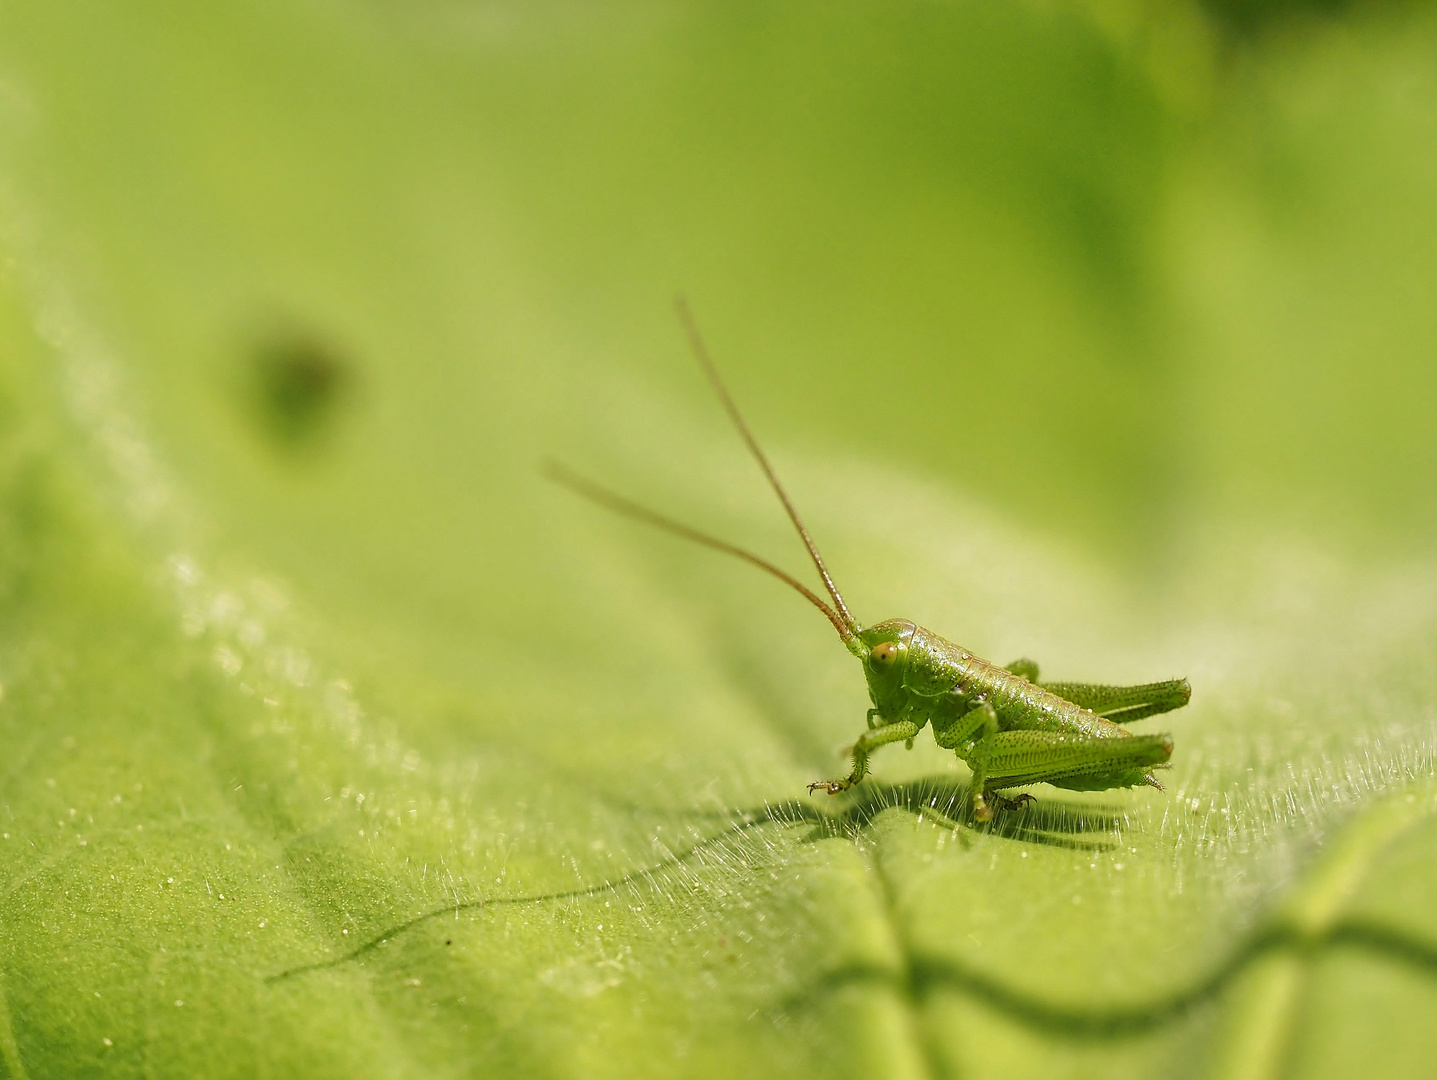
925, 975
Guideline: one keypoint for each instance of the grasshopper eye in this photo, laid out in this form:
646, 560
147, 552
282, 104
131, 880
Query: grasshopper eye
884, 652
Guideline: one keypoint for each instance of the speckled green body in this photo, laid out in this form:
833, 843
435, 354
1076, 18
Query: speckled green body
1010, 729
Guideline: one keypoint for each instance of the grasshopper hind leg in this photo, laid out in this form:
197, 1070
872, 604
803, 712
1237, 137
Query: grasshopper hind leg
1017, 758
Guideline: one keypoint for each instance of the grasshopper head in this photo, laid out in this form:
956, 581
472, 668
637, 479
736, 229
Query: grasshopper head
885, 648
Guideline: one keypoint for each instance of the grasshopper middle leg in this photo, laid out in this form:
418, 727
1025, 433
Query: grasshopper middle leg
973, 736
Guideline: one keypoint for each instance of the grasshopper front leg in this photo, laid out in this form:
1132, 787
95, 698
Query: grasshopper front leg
869, 741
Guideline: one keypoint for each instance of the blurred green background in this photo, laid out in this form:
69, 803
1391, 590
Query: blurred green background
336, 741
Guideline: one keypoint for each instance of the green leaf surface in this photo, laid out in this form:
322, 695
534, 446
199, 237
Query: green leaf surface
334, 741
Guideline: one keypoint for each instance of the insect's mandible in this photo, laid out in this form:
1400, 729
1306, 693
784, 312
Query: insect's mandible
1009, 728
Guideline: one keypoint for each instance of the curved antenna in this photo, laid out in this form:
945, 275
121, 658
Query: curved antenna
691, 327
582, 485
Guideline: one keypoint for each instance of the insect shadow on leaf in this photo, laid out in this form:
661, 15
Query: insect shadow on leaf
1055, 825
943, 804
948, 805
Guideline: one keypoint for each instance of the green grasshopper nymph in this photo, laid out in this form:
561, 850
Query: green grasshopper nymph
1010, 729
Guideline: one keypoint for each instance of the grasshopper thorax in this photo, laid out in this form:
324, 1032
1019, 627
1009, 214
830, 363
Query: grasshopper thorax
885, 655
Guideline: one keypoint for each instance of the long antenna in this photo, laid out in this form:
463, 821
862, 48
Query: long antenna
706, 362
604, 497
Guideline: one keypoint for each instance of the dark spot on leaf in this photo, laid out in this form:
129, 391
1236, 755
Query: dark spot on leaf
297, 381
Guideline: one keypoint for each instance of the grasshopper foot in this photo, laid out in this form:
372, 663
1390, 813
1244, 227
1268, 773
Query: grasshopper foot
833, 787
1015, 803
985, 804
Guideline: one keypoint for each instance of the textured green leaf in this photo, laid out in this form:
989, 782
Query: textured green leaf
337, 742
